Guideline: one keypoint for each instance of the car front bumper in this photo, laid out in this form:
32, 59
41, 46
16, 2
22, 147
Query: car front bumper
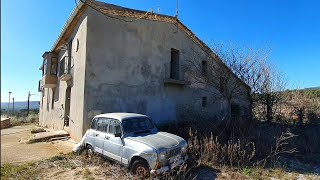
176, 163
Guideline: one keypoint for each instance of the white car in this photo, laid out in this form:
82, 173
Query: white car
134, 141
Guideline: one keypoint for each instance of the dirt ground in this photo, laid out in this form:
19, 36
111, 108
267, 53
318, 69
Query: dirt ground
15, 152
53, 160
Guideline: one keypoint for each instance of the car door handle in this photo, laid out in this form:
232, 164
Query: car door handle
97, 134
107, 137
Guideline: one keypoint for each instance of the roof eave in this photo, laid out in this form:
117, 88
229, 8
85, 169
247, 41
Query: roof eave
75, 11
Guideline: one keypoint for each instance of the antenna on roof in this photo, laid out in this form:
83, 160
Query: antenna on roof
177, 10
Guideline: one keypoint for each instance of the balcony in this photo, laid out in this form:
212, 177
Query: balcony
49, 81
65, 69
49, 70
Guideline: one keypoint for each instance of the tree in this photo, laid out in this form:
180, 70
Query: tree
227, 71
269, 96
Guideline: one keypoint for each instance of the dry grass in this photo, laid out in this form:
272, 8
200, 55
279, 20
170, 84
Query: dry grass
20, 120
71, 166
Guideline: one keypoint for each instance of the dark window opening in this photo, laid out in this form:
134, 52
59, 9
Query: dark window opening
223, 85
52, 98
174, 65
40, 86
204, 66
235, 111
204, 102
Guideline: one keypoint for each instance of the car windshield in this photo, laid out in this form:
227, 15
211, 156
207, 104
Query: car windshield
139, 124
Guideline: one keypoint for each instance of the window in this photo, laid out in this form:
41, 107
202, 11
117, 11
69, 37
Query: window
44, 67
174, 65
99, 125
40, 86
52, 98
137, 125
54, 66
204, 102
222, 84
42, 98
94, 124
114, 127
102, 125
204, 67
235, 111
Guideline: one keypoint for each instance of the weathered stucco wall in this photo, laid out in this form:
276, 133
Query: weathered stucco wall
127, 63
53, 116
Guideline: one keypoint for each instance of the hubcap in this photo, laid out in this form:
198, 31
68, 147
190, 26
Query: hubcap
141, 171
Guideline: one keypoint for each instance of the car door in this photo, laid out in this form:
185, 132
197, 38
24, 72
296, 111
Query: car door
100, 134
90, 139
113, 145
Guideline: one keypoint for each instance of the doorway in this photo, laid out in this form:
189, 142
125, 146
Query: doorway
67, 107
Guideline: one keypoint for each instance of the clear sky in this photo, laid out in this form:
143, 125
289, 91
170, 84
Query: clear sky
290, 28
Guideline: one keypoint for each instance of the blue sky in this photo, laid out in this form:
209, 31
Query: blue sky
290, 28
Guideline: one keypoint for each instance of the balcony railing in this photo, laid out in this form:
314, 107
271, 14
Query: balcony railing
65, 69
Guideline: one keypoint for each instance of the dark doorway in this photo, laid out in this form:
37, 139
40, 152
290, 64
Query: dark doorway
67, 106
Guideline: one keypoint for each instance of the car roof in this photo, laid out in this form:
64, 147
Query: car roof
120, 116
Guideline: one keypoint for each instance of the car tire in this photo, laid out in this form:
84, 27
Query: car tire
140, 168
89, 152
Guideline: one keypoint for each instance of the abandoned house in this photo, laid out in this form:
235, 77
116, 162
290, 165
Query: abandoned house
114, 59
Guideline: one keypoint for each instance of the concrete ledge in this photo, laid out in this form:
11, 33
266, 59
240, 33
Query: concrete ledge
176, 82
5, 123
44, 136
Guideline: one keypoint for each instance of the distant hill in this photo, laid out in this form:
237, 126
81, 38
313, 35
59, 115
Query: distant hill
312, 88
21, 105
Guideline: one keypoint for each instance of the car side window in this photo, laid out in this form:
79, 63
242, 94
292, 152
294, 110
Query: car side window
117, 127
99, 124
114, 127
94, 124
103, 124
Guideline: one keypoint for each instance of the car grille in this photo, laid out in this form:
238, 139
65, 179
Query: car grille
173, 152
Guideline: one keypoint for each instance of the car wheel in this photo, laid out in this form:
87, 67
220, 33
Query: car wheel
89, 152
140, 168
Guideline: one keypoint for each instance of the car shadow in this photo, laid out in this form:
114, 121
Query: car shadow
202, 172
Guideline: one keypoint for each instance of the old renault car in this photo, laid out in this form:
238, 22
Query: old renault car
134, 141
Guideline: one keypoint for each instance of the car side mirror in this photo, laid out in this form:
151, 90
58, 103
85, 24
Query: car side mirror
117, 135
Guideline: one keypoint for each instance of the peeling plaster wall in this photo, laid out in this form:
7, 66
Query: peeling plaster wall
53, 117
127, 63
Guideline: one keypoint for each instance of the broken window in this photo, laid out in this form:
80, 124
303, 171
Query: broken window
174, 65
204, 102
204, 66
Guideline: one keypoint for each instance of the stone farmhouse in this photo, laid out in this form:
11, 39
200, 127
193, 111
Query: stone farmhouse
114, 59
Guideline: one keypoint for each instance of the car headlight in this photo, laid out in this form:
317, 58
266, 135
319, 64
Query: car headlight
162, 156
184, 150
